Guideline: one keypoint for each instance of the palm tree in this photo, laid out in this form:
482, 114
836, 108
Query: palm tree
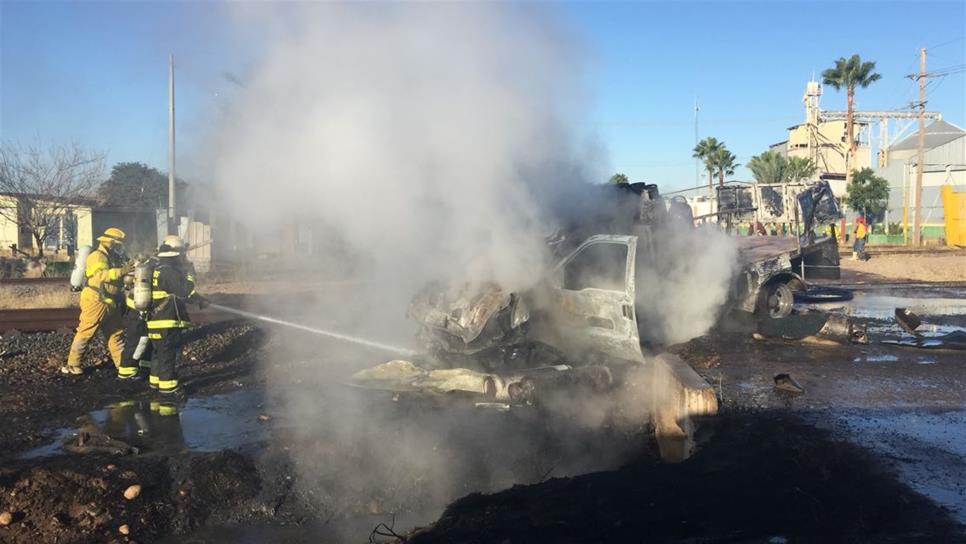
769, 167
724, 163
799, 169
850, 73
705, 149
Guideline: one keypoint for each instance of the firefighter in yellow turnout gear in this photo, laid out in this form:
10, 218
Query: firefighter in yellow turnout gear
100, 300
173, 287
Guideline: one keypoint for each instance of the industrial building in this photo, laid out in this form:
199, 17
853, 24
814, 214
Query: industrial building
823, 138
944, 161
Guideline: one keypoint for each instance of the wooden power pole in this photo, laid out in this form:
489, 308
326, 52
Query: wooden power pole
920, 152
172, 201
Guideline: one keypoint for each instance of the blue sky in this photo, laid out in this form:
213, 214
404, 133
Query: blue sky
95, 73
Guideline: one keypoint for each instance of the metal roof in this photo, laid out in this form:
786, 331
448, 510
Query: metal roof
937, 133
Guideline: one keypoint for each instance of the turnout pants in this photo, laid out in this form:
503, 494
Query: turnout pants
137, 347
96, 316
166, 344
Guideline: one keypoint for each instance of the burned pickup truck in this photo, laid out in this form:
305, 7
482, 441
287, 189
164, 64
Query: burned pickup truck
596, 304
597, 321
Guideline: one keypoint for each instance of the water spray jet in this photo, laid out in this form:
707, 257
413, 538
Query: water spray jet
322, 332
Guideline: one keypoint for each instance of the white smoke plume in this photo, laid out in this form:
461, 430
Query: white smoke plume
432, 139
681, 297
423, 134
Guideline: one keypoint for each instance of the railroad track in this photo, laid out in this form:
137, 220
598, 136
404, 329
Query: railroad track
38, 319
33, 281
51, 319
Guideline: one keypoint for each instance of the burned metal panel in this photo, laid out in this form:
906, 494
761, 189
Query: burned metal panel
738, 200
771, 203
821, 259
468, 318
586, 321
758, 273
818, 205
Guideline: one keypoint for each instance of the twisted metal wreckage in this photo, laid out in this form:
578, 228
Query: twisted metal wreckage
584, 328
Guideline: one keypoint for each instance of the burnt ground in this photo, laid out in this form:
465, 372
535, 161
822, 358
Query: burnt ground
864, 454
763, 476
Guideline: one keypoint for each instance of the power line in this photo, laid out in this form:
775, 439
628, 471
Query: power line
954, 40
942, 72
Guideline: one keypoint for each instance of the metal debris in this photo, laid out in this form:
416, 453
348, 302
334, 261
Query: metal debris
785, 382
908, 321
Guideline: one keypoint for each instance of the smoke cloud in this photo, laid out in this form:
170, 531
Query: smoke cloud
433, 141
426, 136
681, 296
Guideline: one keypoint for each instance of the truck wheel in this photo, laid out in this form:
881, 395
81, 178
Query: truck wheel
776, 301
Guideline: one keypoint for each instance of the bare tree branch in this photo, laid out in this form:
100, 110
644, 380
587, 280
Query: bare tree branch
45, 183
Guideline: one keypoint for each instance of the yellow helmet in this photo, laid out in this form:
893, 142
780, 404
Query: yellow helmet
113, 235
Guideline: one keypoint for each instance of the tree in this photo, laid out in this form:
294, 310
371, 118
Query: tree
705, 149
769, 167
618, 179
868, 193
799, 169
773, 167
723, 163
850, 73
46, 184
136, 185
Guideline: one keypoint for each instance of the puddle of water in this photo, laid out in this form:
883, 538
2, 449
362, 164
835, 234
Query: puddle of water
894, 330
880, 306
928, 448
201, 424
881, 358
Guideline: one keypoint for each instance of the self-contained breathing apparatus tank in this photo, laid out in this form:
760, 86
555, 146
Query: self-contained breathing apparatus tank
78, 276
143, 276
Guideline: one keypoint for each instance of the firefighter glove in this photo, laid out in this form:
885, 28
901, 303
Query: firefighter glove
126, 268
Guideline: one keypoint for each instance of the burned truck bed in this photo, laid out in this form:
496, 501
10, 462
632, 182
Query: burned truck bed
778, 266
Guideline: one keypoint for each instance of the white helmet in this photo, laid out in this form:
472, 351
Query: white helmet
171, 246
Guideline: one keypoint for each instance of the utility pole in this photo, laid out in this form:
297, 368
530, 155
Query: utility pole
920, 152
172, 201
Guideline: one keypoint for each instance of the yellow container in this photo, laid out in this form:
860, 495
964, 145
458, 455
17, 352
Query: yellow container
954, 208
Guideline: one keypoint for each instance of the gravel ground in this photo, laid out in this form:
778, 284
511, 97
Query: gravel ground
946, 266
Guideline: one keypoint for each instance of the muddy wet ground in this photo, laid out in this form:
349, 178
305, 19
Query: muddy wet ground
271, 446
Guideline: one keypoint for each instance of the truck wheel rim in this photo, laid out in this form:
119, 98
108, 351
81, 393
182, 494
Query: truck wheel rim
780, 301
